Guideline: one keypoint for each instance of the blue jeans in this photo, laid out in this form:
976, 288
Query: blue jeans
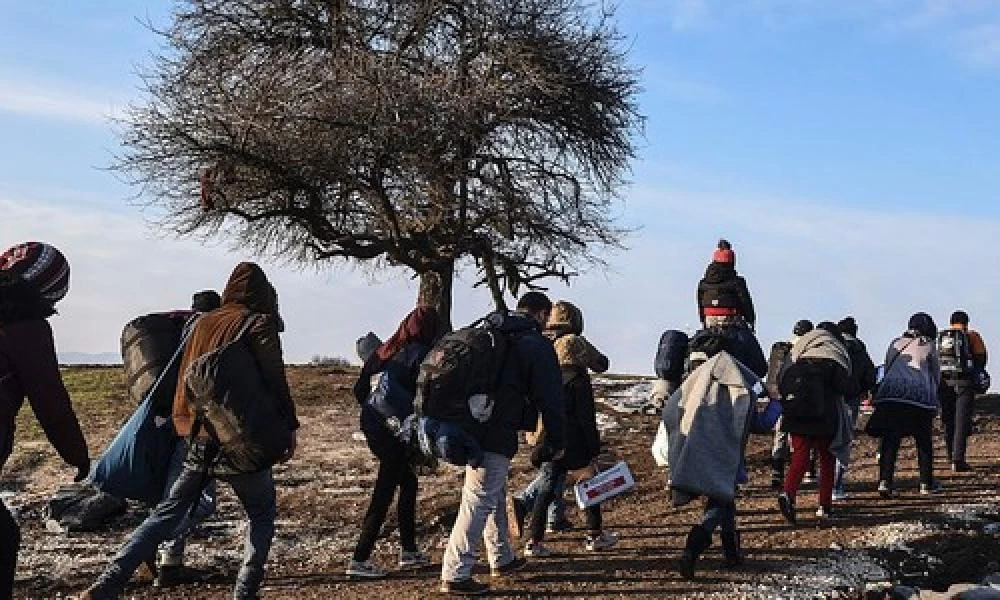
557, 508
721, 515
257, 495
172, 550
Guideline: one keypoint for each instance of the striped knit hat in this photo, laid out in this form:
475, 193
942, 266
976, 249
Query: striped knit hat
41, 266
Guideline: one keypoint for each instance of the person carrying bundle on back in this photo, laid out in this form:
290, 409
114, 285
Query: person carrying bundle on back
577, 357
723, 298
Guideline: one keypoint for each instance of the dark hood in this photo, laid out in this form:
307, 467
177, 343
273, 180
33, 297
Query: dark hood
248, 287
718, 272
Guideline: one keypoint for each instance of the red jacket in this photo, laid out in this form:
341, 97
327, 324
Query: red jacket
29, 369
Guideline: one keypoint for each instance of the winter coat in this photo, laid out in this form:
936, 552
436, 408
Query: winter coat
723, 288
912, 373
825, 360
577, 357
530, 384
403, 368
29, 369
862, 368
739, 342
248, 294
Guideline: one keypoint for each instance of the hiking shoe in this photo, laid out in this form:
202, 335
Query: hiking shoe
464, 587
884, 489
839, 495
928, 489
787, 507
824, 512
960, 466
413, 560
604, 541
537, 550
503, 570
520, 514
560, 526
364, 570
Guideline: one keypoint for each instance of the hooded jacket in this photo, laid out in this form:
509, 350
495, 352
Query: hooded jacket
912, 372
248, 293
723, 288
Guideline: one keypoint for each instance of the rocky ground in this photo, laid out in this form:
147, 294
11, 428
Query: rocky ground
929, 542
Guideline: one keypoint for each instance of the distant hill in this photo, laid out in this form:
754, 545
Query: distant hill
89, 358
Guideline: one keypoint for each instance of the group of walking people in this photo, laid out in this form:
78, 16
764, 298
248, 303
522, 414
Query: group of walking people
814, 386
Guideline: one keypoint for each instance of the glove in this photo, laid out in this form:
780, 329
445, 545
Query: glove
82, 472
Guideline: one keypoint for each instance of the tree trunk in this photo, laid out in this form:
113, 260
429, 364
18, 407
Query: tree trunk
435, 290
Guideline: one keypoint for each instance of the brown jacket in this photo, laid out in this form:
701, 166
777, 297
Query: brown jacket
28, 368
247, 293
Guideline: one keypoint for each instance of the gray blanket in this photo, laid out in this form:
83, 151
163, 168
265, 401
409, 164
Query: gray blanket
707, 422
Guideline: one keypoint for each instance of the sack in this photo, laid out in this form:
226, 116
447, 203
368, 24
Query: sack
460, 373
661, 447
954, 352
233, 403
147, 344
803, 390
390, 399
605, 485
430, 440
82, 507
670, 355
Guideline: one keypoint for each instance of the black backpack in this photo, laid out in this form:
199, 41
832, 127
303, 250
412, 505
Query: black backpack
803, 389
670, 355
954, 352
233, 403
460, 373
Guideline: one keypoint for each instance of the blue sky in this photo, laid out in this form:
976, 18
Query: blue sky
849, 149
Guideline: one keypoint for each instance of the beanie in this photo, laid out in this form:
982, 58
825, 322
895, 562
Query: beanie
724, 253
42, 267
802, 327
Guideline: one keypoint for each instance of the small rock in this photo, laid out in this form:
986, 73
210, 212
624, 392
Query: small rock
358, 436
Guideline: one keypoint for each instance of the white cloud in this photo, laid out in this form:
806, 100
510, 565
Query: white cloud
57, 101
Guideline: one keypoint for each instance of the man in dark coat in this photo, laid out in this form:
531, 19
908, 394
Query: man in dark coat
723, 297
530, 383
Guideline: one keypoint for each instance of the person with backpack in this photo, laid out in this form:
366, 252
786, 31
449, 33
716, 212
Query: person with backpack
528, 382
813, 388
398, 359
239, 345
777, 362
863, 376
34, 277
963, 358
577, 357
723, 298
906, 401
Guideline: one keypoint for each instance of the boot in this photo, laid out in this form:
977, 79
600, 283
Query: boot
698, 540
731, 549
777, 473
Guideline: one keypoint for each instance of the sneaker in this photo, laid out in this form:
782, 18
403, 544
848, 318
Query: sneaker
824, 512
464, 587
537, 550
927, 489
839, 495
560, 526
520, 514
364, 570
787, 507
884, 489
961, 466
515, 565
604, 541
413, 560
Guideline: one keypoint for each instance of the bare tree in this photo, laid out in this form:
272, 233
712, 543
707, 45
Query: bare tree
428, 134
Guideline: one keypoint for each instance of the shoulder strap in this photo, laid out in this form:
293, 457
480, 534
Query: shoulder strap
898, 354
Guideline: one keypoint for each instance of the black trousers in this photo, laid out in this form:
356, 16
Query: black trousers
546, 494
891, 441
393, 472
10, 541
957, 403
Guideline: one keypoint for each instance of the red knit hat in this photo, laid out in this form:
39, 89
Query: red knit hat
41, 266
724, 253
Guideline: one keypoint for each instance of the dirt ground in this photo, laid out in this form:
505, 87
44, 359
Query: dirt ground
323, 493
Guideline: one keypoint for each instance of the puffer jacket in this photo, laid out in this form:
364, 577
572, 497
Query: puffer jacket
248, 293
723, 288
